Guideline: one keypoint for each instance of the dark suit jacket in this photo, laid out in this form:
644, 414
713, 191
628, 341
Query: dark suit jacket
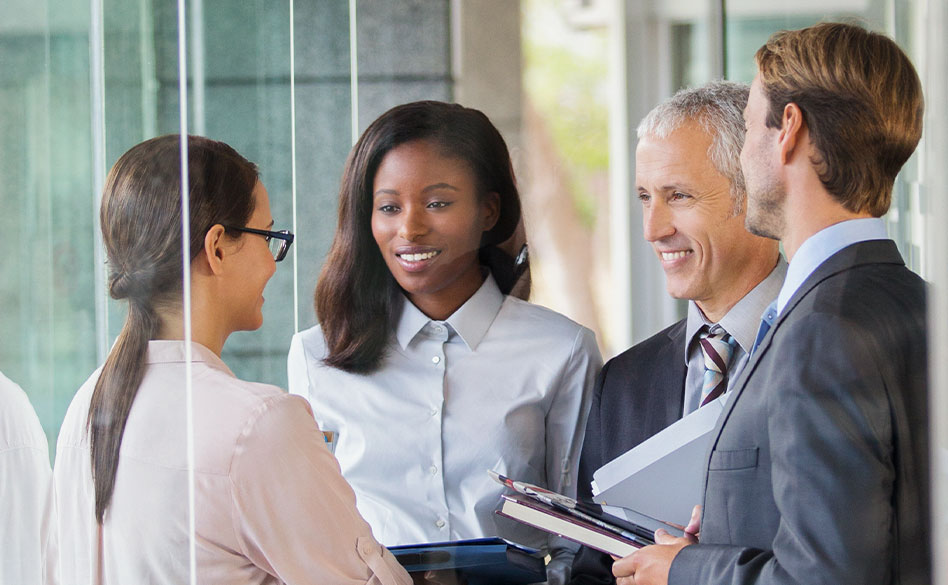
819, 472
637, 394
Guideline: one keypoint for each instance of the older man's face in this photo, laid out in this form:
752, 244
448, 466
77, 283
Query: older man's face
689, 219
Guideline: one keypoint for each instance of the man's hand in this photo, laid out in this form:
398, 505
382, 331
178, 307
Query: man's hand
650, 565
694, 525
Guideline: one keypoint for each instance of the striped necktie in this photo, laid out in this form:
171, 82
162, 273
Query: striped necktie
718, 349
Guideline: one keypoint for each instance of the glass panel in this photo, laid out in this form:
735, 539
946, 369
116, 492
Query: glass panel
241, 51
906, 218
666, 46
930, 40
48, 327
323, 138
564, 179
385, 33
46, 281
917, 27
72, 101
748, 27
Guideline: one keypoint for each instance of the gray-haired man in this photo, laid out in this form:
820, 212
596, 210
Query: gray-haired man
688, 179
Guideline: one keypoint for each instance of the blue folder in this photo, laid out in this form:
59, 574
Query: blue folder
481, 561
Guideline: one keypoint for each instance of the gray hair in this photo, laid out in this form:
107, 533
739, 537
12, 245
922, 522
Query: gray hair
718, 107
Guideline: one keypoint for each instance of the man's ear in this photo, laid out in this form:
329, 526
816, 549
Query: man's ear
792, 130
214, 248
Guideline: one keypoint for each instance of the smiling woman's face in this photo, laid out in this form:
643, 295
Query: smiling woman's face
428, 220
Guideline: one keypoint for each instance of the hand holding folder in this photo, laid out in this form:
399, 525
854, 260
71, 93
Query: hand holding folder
652, 564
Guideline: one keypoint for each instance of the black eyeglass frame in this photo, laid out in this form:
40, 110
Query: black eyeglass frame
284, 235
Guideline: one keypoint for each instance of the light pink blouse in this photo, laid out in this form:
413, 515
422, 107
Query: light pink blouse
271, 504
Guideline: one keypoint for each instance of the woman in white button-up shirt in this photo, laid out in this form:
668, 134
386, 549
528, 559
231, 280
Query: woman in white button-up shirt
270, 504
423, 369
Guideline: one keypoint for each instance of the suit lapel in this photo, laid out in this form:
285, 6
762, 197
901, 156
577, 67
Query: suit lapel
653, 385
675, 381
858, 254
660, 390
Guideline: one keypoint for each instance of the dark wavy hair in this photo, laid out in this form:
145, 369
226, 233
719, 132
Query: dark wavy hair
355, 295
141, 229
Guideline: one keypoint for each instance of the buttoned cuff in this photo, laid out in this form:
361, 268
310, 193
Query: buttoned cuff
385, 568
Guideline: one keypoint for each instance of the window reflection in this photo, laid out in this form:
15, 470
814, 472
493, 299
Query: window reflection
57, 324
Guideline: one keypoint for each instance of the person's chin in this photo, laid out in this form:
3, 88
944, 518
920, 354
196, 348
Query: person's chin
254, 324
679, 288
413, 288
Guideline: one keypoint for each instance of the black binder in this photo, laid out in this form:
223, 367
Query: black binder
481, 561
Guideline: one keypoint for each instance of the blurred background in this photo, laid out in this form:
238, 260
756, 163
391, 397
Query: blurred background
291, 84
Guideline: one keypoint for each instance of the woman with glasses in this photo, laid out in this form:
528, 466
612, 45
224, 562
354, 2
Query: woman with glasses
423, 369
270, 504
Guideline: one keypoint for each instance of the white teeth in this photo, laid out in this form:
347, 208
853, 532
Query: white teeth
418, 257
675, 255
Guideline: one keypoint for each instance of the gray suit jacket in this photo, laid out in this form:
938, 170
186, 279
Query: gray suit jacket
819, 472
637, 394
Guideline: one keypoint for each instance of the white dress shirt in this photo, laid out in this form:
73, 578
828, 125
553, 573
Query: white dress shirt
501, 384
271, 506
27, 505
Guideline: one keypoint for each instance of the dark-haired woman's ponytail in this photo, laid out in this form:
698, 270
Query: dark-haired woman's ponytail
505, 269
113, 396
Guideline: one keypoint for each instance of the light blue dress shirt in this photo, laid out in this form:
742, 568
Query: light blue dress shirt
823, 244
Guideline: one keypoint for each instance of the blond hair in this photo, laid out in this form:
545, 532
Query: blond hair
862, 102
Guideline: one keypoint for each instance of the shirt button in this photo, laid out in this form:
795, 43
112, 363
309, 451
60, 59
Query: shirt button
436, 360
433, 470
434, 412
439, 329
440, 523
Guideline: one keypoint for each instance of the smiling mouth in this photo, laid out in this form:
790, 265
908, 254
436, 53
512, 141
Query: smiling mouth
669, 256
418, 257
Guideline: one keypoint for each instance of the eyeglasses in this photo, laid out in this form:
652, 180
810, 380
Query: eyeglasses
279, 242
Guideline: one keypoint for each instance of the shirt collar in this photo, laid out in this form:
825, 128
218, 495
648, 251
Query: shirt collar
823, 244
471, 321
743, 319
169, 351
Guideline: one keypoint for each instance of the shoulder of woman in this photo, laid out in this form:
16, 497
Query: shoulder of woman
310, 341
278, 418
73, 429
19, 425
539, 318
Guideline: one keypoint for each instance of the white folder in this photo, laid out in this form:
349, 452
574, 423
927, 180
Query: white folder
662, 477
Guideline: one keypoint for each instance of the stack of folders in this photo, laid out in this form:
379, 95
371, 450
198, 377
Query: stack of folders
582, 522
481, 561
